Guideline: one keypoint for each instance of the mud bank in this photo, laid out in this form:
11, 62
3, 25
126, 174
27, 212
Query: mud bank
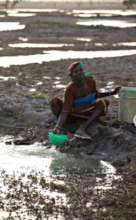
29, 119
25, 91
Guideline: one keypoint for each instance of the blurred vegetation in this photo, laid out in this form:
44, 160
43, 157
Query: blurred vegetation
9, 4
129, 3
40, 95
12, 3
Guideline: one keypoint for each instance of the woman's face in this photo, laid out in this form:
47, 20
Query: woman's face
77, 75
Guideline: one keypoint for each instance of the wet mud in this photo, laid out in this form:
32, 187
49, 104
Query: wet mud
25, 114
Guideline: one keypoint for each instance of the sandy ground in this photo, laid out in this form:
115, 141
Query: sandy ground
27, 114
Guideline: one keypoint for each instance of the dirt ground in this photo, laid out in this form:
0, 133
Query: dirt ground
26, 113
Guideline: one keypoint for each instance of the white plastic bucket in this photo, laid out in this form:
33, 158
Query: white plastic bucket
127, 104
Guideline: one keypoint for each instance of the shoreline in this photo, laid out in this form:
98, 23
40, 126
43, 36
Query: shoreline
68, 5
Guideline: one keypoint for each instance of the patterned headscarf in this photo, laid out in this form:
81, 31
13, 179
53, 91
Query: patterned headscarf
75, 65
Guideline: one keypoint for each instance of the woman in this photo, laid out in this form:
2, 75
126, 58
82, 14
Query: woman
81, 100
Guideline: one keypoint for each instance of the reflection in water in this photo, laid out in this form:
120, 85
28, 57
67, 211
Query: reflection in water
26, 161
83, 39
106, 12
38, 45
107, 23
39, 83
15, 13
15, 158
130, 44
46, 77
57, 77
37, 157
85, 15
51, 161
54, 55
23, 39
32, 90
57, 82
21, 163
6, 78
9, 26
59, 86
110, 172
99, 44
38, 10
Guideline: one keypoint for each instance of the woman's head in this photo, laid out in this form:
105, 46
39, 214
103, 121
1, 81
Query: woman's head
76, 72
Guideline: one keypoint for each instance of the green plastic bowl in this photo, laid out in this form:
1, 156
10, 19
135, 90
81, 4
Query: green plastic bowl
57, 139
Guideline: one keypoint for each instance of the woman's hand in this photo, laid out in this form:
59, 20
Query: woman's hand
58, 130
116, 90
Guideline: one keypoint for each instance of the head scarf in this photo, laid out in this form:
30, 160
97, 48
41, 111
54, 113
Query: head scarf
75, 66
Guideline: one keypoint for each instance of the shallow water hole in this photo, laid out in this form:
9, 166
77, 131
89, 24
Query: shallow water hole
42, 180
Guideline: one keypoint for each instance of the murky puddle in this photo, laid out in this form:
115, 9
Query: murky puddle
54, 55
37, 157
107, 23
6, 78
84, 39
24, 39
38, 45
105, 13
91, 14
28, 167
129, 44
17, 13
35, 10
125, 44
9, 26
26, 158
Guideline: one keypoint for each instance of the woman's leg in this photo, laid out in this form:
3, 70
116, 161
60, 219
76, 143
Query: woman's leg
100, 108
56, 105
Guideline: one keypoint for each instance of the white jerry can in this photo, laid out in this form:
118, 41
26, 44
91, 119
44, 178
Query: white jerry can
127, 104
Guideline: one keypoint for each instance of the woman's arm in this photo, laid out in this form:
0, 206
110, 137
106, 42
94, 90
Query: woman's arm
67, 108
61, 120
104, 94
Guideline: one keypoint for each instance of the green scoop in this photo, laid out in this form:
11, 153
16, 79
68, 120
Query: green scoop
57, 139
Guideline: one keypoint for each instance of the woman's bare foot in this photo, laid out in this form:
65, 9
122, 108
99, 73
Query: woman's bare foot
82, 135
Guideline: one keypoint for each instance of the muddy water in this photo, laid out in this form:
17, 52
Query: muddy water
24, 158
9, 26
32, 45
104, 12
21, 163
54, 55
108, 23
